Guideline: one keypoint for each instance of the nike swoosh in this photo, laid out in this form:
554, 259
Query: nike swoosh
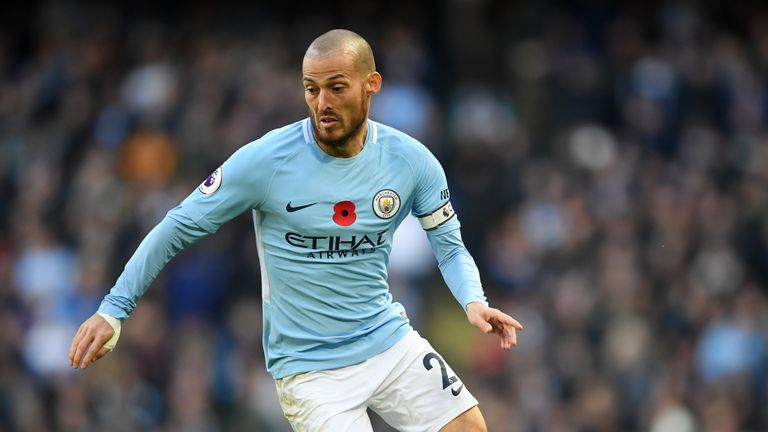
290, 209
457, 391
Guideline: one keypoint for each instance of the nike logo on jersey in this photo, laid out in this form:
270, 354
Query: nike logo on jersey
291, 209
458, 390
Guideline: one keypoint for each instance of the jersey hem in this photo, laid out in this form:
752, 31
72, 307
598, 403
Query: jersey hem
296, 367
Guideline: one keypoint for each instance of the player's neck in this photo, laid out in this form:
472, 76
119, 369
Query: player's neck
352, 147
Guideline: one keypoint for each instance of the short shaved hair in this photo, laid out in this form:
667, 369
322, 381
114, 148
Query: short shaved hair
346, 41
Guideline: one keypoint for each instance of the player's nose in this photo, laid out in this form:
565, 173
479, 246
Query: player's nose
324, 101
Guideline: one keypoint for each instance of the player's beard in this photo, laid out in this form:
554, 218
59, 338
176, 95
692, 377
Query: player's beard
356, 124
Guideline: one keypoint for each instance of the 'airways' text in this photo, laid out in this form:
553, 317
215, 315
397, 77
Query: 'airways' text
340, 253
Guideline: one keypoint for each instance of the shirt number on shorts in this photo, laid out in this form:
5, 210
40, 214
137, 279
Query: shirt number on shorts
447, 381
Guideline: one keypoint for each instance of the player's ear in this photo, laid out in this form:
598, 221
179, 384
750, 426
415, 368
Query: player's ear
373, 83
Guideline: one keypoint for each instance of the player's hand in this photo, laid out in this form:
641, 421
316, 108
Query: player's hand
490, 320
88, 344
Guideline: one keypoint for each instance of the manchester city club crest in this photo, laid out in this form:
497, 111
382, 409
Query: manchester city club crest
386, 203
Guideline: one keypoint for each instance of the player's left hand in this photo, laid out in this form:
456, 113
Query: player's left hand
90, 342
490, 320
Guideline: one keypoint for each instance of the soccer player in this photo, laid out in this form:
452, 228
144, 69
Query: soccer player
327, 194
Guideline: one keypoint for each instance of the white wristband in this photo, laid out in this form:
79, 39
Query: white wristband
115, 323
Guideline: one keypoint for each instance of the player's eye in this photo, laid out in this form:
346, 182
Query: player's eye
338, 88
310, 90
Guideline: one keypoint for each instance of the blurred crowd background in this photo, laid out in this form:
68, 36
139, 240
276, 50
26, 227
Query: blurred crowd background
608, 162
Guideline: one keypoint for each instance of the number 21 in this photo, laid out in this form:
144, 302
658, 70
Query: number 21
447, 381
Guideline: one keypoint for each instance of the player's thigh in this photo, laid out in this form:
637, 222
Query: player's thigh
423, 394
326, 401
355, 420
470, 420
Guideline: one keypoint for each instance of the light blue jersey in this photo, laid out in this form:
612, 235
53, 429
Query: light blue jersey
324, 229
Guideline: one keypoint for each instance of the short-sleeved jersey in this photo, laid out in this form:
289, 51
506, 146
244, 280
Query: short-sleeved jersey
324, 229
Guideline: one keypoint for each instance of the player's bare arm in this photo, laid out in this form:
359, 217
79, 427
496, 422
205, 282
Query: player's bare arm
490, 320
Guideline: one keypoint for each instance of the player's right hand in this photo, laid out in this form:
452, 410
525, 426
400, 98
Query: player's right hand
88, 344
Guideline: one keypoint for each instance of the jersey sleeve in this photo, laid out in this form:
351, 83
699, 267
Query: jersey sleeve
171, 235
432, 205
457, 267
240, 184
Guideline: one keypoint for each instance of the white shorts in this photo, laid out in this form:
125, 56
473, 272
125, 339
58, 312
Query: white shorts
408, 385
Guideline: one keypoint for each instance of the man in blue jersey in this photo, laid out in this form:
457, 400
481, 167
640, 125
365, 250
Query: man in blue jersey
326, 194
